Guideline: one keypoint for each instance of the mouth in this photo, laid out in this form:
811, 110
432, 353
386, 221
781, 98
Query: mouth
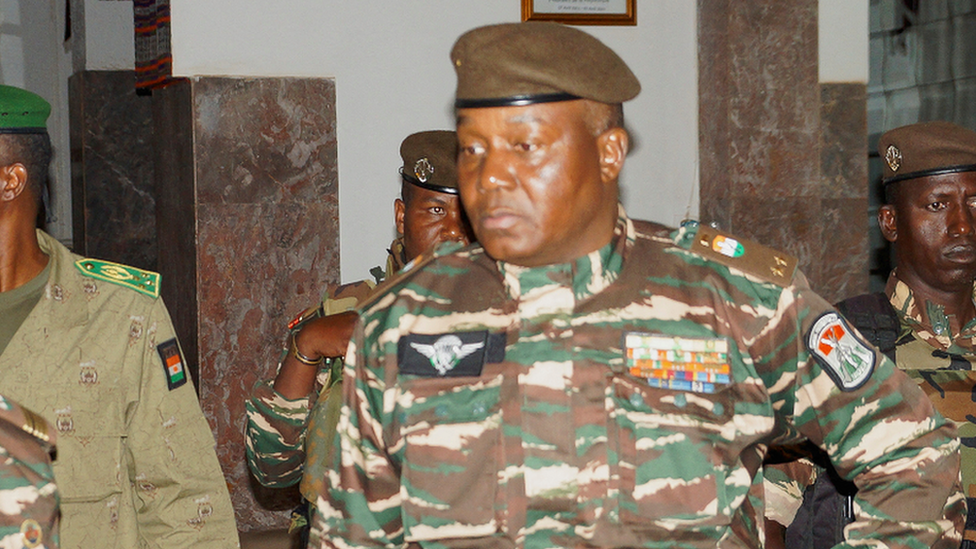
961, 253
499, 219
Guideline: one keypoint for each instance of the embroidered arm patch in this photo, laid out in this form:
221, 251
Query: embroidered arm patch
173, 363
846, 358
458, 354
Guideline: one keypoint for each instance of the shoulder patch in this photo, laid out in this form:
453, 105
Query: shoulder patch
173, 363
144, 282
846, 358
747, 256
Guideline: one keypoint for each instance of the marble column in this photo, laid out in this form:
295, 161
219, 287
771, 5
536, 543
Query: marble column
783, 157
247, 204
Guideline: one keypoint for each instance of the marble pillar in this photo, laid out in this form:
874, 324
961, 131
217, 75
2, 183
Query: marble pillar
783, 157
112, 183
247, 203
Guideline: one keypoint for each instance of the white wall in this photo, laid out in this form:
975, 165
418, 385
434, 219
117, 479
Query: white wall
394, 77
843, 40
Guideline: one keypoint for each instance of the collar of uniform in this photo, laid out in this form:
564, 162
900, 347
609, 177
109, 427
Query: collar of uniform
587, 275
927, 320
394, 259
63, 284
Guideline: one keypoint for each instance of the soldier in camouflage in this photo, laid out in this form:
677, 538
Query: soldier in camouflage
90, 347
28, 495
926, 318
288, 434
583, 379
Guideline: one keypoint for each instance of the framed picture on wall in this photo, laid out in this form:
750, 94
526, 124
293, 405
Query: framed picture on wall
581, 12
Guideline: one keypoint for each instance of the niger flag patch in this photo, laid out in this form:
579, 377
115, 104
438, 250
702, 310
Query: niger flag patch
173, 363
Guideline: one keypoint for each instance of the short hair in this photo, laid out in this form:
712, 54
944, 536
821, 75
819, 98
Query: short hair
892, 192
33, 150
406, 190
601, 117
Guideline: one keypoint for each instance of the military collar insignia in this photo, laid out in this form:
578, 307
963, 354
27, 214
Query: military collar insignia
893, 157
423, 169
144, 282
847, 359
457, 354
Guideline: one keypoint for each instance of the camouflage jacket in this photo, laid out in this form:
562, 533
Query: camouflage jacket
277, 447
136, 464
486, 404
28, 495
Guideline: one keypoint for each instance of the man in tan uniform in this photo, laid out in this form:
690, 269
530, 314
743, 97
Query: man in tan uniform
90, 347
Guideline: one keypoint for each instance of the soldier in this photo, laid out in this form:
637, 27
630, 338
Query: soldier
428, 213
28, 495
925, 320
582, 379
89, 346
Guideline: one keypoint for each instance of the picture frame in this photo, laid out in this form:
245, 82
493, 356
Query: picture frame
581, 12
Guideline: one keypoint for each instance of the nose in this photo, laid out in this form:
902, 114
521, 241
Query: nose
961, 221
456, 228
495, 171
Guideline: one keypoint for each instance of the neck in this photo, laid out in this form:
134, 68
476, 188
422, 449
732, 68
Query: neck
21, 258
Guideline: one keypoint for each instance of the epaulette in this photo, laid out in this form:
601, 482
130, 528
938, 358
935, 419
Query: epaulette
747, 256
144, 282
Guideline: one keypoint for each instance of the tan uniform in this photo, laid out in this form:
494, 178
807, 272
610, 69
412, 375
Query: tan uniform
136, 464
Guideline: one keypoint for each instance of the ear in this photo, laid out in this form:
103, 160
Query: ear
13, 181
399, 208
613, 145
888, 221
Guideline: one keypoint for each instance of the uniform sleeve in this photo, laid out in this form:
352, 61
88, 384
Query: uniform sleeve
882, 433
360, 503
784, 484
274, 436
181, 497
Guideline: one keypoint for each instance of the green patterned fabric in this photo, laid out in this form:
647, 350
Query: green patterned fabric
551, 439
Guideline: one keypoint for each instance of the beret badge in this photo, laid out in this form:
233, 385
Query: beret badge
423, 169
893, 157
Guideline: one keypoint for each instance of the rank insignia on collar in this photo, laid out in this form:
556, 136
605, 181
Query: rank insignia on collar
841, 353
173, 363
696, 364
458, 354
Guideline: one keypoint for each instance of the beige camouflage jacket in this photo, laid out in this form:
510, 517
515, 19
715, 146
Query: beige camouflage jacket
136, 464
625, 399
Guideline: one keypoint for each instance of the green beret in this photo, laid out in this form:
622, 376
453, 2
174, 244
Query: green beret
925, 149
22, 111
430, 160
537, 62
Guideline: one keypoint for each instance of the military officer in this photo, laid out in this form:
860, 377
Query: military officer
278, 450
28, 494
584, 379
926, 319
89, 346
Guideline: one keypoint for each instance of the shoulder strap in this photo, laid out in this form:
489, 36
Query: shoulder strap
875, 318
144, 282
750, 257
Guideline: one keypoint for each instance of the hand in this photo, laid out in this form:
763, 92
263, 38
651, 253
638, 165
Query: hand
328, 337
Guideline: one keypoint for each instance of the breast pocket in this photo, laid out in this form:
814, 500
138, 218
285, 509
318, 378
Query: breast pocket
451, 429
671, 465
89, 465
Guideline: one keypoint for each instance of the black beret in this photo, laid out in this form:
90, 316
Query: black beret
430, 160
925, 149
537, 62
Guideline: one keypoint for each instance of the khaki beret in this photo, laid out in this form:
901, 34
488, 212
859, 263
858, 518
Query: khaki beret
22, 111
925, 149
430, 160
537, 62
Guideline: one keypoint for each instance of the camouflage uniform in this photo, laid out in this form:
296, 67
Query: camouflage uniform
526, 427
28, 495
276, 444
136, 463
